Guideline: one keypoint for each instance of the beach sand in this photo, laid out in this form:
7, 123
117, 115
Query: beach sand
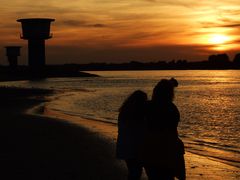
41, 148
56, 146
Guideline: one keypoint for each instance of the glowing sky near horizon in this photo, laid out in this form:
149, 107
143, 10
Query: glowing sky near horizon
116, 31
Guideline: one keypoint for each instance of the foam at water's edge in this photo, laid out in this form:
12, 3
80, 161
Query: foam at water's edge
36, 110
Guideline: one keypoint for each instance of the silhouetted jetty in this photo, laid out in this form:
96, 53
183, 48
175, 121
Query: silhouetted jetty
26, 73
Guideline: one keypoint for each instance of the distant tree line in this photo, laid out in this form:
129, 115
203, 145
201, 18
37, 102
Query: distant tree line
218, 61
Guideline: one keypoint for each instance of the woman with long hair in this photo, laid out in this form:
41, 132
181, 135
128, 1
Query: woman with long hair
130, 132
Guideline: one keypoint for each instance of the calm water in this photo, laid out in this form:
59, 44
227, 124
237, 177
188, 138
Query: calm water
209, 103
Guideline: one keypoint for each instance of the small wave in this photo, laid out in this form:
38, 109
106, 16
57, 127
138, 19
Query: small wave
223, 153
85, 116
215, 156
226, 147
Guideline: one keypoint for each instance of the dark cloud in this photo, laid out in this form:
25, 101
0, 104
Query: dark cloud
235, 41
72, 23
98, 25
214, 25
79, 23
175, 3
209, 24
231, 25
137, 37
224, 22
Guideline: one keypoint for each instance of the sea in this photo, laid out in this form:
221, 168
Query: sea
208, 101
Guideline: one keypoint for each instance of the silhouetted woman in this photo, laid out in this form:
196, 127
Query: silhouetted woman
130, 132
162, 150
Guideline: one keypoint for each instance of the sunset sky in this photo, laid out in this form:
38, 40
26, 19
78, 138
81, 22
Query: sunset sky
126, 30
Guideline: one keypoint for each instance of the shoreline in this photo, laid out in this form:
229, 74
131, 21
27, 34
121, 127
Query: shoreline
197, 166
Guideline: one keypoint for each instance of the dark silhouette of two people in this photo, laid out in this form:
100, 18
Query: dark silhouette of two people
148, 136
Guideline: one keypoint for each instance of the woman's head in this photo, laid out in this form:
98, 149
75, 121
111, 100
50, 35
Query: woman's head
134, 101
164, 90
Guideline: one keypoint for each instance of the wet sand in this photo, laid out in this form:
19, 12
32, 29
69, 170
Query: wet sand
63, 147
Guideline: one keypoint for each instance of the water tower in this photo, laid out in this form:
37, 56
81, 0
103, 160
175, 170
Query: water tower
12, 52
36, 31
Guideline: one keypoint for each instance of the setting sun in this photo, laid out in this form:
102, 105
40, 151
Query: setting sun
218, 39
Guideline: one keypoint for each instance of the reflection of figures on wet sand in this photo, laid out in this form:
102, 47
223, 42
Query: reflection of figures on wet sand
148, 134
